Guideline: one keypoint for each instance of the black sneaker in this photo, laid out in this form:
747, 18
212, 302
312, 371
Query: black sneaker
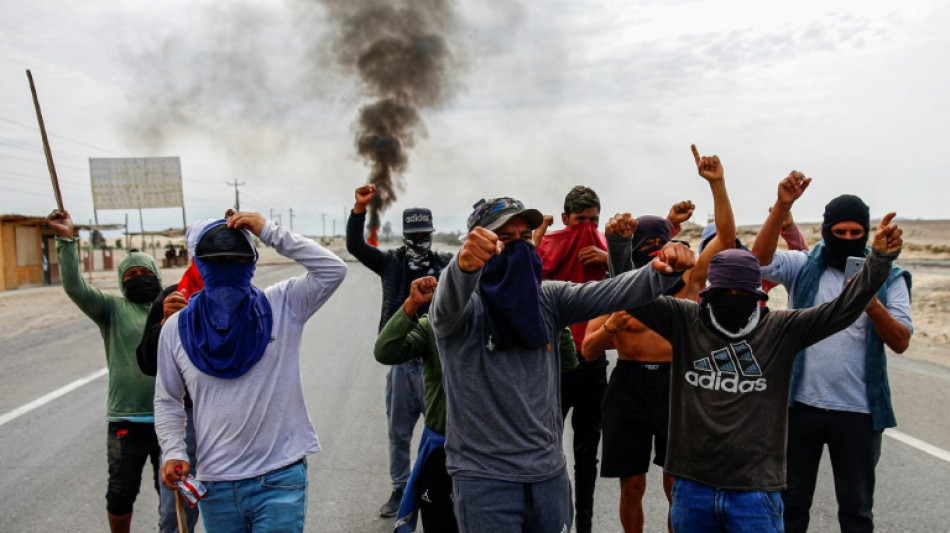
388, 510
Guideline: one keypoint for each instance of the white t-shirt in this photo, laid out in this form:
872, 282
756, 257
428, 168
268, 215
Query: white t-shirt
833, 375
258, 422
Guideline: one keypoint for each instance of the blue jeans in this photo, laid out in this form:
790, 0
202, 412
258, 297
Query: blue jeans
512, 507
274, 502
167, 516
404, 406
700, 508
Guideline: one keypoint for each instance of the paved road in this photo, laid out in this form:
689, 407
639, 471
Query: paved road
53, 458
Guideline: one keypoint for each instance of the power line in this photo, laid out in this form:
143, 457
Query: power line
21, 145
34, 160
35, 128
21, 180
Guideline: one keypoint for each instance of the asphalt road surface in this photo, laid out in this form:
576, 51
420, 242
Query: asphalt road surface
53, 459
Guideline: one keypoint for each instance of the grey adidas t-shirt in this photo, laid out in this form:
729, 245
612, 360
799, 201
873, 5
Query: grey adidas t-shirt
729, 398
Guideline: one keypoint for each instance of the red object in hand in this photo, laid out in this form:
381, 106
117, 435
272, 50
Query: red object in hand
121, 433
191, 281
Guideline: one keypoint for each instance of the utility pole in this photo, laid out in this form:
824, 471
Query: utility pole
291, 219
323, 218
334, 227
237, 194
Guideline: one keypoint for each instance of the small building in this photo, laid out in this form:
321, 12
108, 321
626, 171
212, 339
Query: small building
25, 245
28, 251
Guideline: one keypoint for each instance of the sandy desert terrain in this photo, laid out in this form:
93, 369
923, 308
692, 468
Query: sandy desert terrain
926, 255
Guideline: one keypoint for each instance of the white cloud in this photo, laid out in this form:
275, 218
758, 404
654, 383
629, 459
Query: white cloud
554, 94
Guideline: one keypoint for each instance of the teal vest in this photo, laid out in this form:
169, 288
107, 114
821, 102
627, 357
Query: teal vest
878, 388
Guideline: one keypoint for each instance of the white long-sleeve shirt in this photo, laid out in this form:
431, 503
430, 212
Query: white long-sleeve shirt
258, 422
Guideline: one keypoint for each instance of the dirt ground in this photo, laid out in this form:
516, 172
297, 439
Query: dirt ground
926, 255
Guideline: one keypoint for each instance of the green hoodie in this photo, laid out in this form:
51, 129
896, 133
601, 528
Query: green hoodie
121, 323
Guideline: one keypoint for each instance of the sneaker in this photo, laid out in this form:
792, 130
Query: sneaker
388, 510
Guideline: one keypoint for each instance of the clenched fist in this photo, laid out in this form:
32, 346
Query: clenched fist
480, 246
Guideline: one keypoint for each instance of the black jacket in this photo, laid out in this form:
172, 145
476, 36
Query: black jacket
391, 266
147, 352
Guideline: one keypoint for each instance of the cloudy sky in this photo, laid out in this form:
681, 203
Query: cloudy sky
547, 95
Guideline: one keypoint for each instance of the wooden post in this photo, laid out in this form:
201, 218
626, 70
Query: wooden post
180, 511
49, 154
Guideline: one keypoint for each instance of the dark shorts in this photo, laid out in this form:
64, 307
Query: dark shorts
636, 416
130, 445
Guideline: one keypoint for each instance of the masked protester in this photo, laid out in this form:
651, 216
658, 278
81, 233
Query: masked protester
840, 394
730, 380
636, 404
121, 320
578, 253
236, 350
496, 326
397, 270
173, 299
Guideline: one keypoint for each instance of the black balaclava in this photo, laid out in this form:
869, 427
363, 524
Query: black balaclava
732, 311
142, 289
845, 208
649, 227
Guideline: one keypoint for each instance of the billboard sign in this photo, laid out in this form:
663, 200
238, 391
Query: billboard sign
136, 182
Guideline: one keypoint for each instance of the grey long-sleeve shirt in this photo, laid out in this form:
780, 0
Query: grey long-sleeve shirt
503, 407
258, 422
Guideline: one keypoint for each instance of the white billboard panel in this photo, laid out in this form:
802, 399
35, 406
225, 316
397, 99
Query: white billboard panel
136, 182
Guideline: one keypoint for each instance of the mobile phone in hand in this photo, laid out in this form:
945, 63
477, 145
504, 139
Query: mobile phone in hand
851, 267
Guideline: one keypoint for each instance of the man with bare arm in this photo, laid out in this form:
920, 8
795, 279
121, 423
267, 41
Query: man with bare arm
496, 325
636, 404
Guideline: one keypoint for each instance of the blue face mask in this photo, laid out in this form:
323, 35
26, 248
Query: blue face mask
227, 285
510, 284
227, 326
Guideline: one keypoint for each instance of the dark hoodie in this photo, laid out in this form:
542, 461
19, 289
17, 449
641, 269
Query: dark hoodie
121, 323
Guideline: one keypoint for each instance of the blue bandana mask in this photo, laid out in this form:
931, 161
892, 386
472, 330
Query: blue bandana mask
510, 285
226, 327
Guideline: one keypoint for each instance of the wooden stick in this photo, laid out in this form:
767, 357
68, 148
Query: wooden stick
180, 511
49, 154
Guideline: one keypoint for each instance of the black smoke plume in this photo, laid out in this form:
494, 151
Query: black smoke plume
400, 53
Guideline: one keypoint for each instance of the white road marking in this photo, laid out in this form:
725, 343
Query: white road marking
914, 442
925, 447
39, 402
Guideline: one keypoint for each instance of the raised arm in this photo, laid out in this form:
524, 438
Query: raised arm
792, 235
306, 293
829, 318
369, 255
90, 300
450, 304
401, 339
711, 169
619, 231
575, 302
790, 189
679, 213
539, 232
